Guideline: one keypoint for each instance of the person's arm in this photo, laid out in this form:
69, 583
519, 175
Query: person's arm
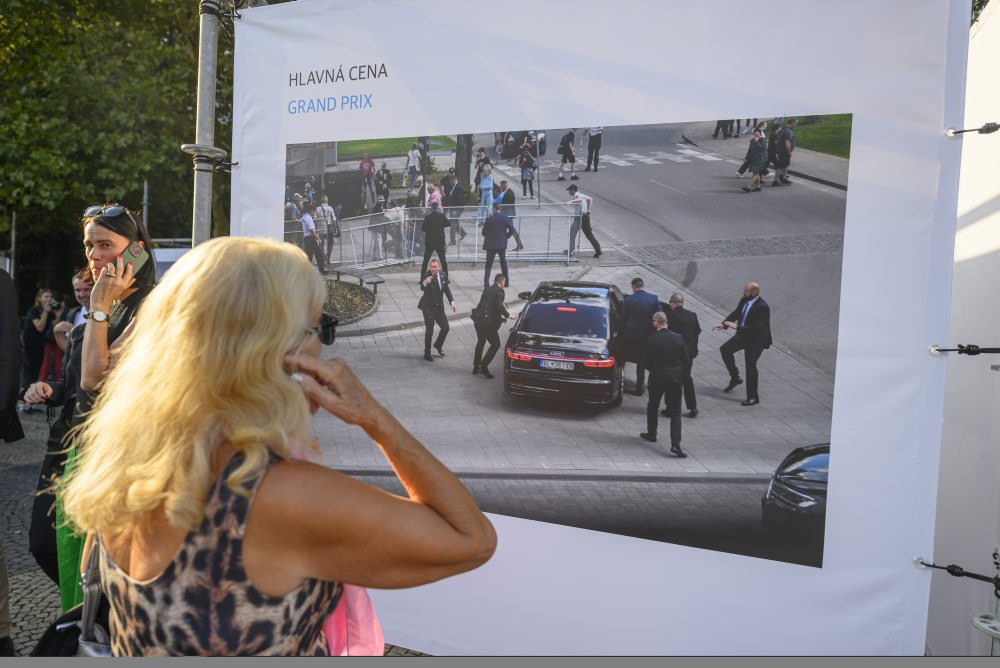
96, 357
42, 320
61, 332
357, 533
447, 293
590, 204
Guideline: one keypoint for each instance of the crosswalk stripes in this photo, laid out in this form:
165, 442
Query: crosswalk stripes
683, 154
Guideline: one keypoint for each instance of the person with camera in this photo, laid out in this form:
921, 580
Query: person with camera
37, 322
488, 315
166, 496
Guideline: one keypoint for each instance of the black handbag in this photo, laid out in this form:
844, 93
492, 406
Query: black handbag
82, 630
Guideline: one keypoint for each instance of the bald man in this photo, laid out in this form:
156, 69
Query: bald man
751, 320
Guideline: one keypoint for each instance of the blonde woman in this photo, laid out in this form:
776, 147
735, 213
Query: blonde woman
189, 565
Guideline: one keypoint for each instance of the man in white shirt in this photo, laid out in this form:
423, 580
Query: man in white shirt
310, 238
593, 146
586, 203
327, 224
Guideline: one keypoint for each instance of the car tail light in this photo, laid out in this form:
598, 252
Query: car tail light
567, 309
600, 364
520, 357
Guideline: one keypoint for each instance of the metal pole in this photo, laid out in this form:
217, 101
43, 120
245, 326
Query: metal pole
201, 227
538, 167
145, 204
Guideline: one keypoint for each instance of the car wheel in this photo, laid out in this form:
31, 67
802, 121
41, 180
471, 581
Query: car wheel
617, 400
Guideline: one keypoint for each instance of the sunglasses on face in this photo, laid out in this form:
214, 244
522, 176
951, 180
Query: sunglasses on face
326, 330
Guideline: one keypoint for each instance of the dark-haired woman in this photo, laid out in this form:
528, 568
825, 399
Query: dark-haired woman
119, 289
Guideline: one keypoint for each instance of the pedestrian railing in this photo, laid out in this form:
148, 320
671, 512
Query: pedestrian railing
393, 236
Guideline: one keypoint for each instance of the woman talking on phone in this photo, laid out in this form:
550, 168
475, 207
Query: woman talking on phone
117, 246
213, 540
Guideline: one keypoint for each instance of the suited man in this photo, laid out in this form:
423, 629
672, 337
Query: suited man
490, 313
685, 323
752, 321
496, 230
433, 227
506, 199
454, 197
637, 316
434, 287
668, 362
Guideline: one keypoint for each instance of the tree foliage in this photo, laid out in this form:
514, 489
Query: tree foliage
98, 95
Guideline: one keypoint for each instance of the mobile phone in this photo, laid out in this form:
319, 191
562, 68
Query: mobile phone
135, 254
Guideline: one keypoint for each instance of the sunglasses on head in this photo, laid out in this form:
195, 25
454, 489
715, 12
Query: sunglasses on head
111, 211
326, 330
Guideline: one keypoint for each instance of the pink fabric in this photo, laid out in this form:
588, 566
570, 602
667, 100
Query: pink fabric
353, 628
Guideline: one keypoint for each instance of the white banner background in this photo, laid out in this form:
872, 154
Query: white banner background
460, 67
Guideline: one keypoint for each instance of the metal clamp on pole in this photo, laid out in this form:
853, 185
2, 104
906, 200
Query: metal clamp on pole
987, 129
970, 349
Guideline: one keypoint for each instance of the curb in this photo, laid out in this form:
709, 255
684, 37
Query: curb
420, 323
575, 476
795, 173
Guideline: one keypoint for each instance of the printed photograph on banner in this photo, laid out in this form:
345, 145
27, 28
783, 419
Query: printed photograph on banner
627, 329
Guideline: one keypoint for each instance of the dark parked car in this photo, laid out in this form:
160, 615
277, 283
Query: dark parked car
559, 345
796, 497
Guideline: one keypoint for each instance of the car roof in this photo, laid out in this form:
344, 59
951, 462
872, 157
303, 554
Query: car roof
549, 290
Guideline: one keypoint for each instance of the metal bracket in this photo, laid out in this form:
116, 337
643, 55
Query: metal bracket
208, 158
987, 129
919, 562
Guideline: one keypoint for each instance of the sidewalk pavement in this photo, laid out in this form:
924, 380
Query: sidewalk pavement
820, 167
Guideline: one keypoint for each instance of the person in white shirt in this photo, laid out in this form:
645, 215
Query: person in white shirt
327, 224
413, 163
593, 146
310, 238
586, 203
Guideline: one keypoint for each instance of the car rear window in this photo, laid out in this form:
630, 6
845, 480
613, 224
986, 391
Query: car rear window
566, 319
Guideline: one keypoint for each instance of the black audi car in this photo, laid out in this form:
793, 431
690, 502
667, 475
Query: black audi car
558, 347
796, 496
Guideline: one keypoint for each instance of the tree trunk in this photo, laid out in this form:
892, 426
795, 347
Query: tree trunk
463, 158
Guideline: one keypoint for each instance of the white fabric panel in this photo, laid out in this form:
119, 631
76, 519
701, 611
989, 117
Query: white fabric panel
897, 65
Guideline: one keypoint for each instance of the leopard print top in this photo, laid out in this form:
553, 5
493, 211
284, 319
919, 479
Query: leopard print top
203, 603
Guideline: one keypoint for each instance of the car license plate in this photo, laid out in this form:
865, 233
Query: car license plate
555, 364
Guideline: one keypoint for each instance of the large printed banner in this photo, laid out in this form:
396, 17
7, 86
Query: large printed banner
716, 151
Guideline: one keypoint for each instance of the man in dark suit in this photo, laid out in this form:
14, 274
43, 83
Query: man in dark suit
454, 198
752, 321
685, 323
488, 315
434, 287
637, 316
506, 199
434, 225
668, 362
496, 230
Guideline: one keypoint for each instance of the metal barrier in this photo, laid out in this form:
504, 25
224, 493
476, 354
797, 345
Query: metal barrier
393, 236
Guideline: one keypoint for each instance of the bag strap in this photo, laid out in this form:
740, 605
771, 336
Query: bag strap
90, 583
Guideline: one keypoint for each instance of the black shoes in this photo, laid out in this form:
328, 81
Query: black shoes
427, 356
675, 449
733, 382
485, 373
750, 402
639, 391
693, 413
440, 351
475, 371
648, 437
598, 254
587, 170
574, 178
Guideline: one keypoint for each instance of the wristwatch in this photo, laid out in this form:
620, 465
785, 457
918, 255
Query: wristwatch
99, 316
